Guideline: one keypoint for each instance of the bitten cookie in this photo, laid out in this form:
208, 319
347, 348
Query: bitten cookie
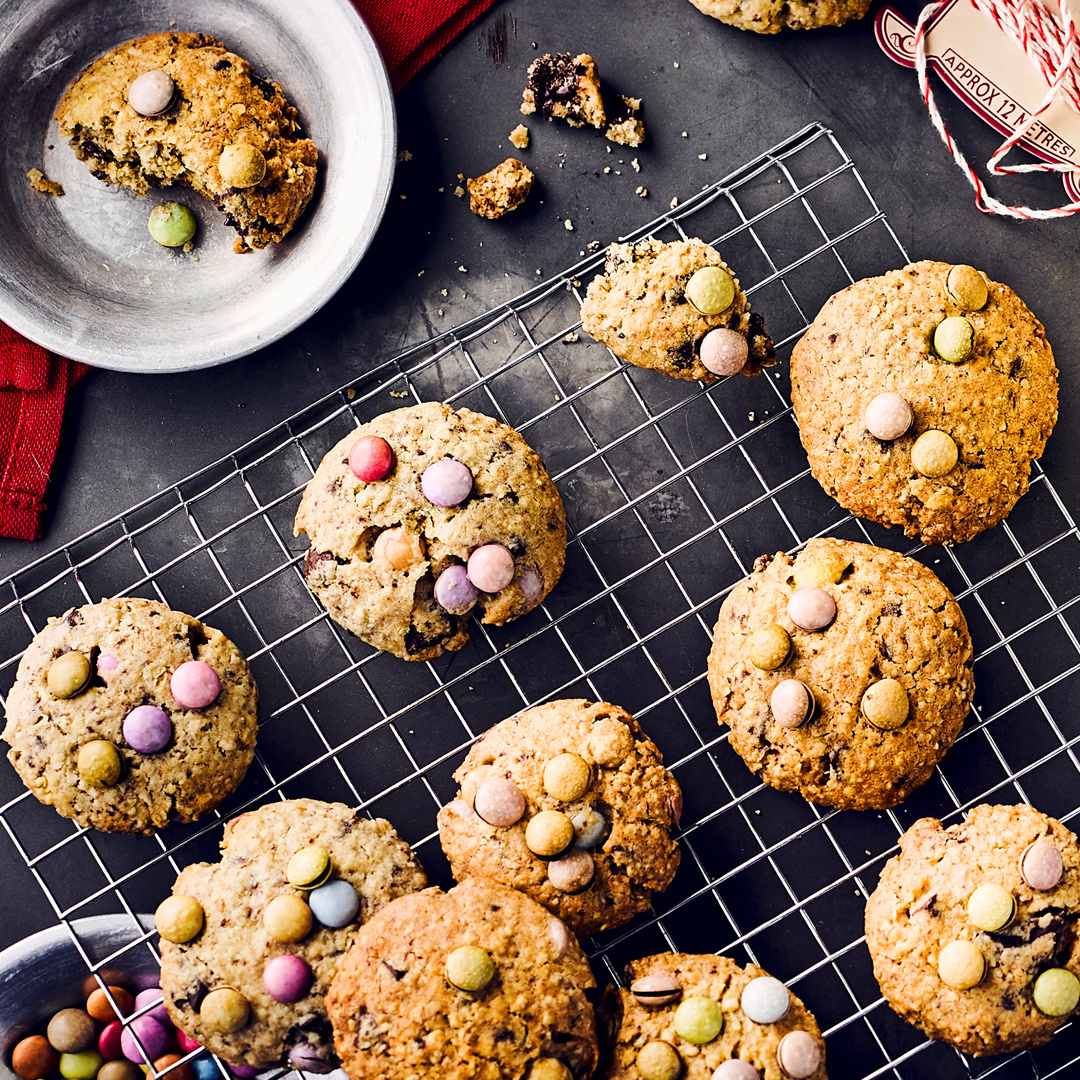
686, 1016
570, 803
922, 398
973, 929
180, 108
676, 308
126, 715
426, 514
772, 16
477, 981
844, 673
250, 944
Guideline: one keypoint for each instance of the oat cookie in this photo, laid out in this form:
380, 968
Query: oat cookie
501, 190
973, 928
458, 515
585, 769
844, 673
772, 16
253, 939
639, 308
565, 87
221, 116
97, 728
680, 1000
958, 356
517, 996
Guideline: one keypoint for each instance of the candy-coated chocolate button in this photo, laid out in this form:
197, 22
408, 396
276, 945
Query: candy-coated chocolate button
885, 704
819, 566
308, 867
549, 834
735, 1070
71, 1030
151, 1002
470, 968
151, 93
242, 165
144, 1037
287, 919
179, 918
698, 1020
120, 1070
967, 287
454, 592
811, 608
371, 459
1057, 992
710, 290
991, 907
888, 417
83, 1065
398, 547
798, 1055
591, 828
170, 1064
954, 339
147, 729
194, 685
225, 1010
306, 1058
530, 585
567, 777
110, 1041
792, 703
446, 483
769, 647
68, 674
33, 1058
1041, 866
107, 662
573, 873
961, 965
335, 904
934, 454
560, 937
287, 978
658, 1060
99, 763
103, 1005
499, 802
549, 1069
765, 1000
653, 991
247, 1071
171, 224
186, 1043
724, 351
491, 568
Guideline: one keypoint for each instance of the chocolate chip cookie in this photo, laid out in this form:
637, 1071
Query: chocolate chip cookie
570, 803
676, 308
973, 929
250, 944
772, 16
923, 396
424, 515
477, 981
844, 673
179, 108
126, 715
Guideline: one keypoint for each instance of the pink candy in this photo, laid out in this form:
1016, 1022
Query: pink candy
888, 416
798, 1054
446, 483
491, 568
153, 996
572, 873
186, 1043
792, 703
736, 1070
107, 662
1041, 866
499, 802
287, 978
811, 609
152, 1035
109, 1041
371, 459
195, 685
724, 351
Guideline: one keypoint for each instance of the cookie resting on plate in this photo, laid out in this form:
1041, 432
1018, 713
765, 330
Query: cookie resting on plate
772, 16
570, 803
844, 673
250, 944
126, 715
973, 929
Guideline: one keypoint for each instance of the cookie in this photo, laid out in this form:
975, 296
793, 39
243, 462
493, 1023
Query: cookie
772, 16
564, 87
570, 803
844, 673
222, 130
126, 715
643, 308
273, 944
457, 515
973, 929
693, 1013
922, 397
501, 190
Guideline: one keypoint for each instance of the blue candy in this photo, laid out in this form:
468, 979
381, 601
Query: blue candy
334, 904
206, 1068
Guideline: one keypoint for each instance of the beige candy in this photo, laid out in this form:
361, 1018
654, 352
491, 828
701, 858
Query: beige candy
885, 704
242, 165
224, 1009
934, 454
961, 965
549, 834
967, 287
819, 566
567, 777
769, 647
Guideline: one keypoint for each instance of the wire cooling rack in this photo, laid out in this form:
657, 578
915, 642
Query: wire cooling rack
672, 489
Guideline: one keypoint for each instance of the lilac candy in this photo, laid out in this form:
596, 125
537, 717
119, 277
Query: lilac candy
735, 1070
491, 568
195, 685
446, 483
153, 996
334, 904
287, 977
792, 703
572, 873
454, 592
888, 416
306, 1058
147, 729
811, 608
152, 1035
244, 1071
1041, 865
530, 584
724, 351
499, 802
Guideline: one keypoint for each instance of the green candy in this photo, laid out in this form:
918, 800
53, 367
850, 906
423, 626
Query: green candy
710, 290
954, 339
172, 224
83, 1066
1056, 992
699, 1020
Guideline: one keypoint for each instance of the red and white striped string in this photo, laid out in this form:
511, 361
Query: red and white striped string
1050, 43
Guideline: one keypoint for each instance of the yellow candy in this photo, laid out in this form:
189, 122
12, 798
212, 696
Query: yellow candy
698, 1020
99, 763
550, 1069
68, 674
885, 705
710, 290
769, 647
567, 777
225, 1010
287, 918
241, 165
309, 867
179, 918
549, 834
954, 339
934, 454
1057, 992
991, 907
819, 566
961, 965
658, 1060
469, 968
967, 287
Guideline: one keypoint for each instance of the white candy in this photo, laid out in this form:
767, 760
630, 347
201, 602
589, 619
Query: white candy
765, 1000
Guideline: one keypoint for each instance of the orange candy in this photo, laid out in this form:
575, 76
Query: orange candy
100, 1007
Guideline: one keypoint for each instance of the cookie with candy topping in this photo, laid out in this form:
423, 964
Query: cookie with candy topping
844, 673
424, 516
249, 945
922, 398
973, 929
126, 715
772, 16
570, 803
706, 1018
476, 981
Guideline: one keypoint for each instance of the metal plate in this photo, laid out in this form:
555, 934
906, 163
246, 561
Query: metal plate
79, 273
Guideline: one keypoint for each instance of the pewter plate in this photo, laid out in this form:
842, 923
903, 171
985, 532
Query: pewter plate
80, 274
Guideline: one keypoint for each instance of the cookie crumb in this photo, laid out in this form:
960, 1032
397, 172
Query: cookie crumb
399, 393
463, 269
443, 292
675, 63
565, 87
593, 245
520, 136
641, 192
623, 125
404, 155
568, 225
607, 168
702, 157
459, 191
350, 393
501, 190
571, 337
673, 203
421, 273
683, 133
635, 165
40, 182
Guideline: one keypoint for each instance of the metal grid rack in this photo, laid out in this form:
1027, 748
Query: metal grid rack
671, 490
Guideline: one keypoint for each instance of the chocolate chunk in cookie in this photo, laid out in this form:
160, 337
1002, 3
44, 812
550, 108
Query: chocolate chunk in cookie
566, 87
